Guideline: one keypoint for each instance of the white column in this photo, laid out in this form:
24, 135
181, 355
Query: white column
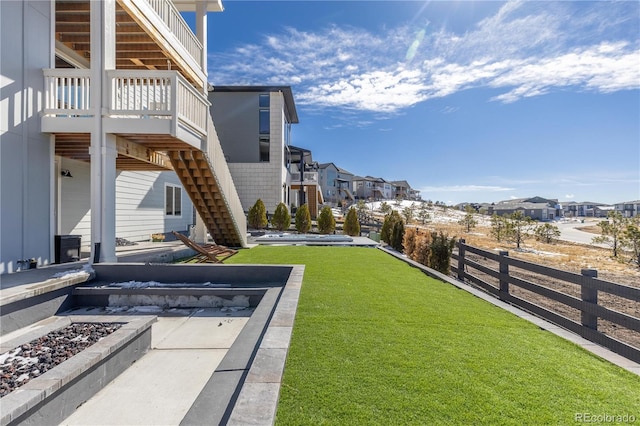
200, 231
201, 33
103, 148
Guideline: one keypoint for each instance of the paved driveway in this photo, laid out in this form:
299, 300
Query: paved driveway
570, 233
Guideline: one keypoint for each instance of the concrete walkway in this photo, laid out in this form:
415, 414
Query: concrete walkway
161, 387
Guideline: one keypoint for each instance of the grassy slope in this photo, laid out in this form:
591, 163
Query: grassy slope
378, 342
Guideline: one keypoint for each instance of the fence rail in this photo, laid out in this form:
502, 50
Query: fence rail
587, 304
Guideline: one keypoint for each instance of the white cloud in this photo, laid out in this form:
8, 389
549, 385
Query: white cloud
526, 49
569, 196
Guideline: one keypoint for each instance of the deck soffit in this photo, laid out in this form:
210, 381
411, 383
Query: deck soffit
138, 46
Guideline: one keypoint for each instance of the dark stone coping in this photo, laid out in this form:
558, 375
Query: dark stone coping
55, 394
236, 275
41, 288
224, 398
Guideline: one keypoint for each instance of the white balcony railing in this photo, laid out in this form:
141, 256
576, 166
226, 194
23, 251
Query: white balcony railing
67, 92
307, 177
132, 94
167, 11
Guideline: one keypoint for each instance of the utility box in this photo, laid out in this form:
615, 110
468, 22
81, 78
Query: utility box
67, 248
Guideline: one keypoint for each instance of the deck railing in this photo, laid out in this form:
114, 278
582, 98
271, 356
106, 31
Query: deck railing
132, 94
167, 11
307, 177
67, 92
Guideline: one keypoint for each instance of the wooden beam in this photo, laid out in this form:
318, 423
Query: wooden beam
141, 153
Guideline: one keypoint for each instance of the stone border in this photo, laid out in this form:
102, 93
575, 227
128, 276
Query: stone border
245, 387
38, 301
595, 349
258, 399
54, 395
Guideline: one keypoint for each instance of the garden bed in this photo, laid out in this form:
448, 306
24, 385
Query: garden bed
74, 372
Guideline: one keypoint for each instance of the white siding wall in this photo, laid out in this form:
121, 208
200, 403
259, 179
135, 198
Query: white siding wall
26, 154
139, 204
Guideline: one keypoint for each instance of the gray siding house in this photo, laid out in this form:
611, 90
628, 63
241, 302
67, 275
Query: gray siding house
335, 183
254, 125
585, 209
536, 208
372, 188
403, 190
628, 208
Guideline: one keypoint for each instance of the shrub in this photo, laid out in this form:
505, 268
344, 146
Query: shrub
303, 219
441, 248
258, 215
281, 219
468, 222
397, 235
499, 228
409, 242
408, 213
518, 227
351, 225
547, 233
422, 249
326, 221
387, 226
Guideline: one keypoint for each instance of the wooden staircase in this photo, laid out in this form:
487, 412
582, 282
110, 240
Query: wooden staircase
203, 186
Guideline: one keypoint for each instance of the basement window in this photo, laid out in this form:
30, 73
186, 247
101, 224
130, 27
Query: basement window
173, 201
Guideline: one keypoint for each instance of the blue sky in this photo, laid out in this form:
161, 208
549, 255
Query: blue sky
467, 101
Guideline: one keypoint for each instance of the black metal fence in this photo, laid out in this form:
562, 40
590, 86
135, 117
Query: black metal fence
497, 265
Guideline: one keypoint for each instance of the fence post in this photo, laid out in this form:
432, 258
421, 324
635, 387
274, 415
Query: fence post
504, 275
589, 295
461, 259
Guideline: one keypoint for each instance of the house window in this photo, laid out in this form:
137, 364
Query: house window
264, 122
263, 100
173, 200
264, 148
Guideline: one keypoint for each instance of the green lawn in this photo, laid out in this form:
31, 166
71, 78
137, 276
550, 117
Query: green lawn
378, 342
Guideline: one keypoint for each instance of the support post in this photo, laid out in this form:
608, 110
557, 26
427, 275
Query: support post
504, 275
461, 251
589, 294
103, 145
